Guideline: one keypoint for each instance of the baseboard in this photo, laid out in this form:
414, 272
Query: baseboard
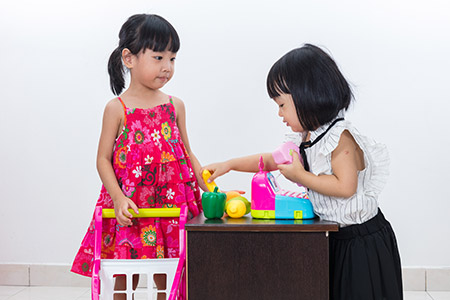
414, 279
426, 279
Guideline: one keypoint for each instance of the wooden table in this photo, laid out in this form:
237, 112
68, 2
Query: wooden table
250, 259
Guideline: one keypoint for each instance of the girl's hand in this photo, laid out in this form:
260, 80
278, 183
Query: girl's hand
217, 169
201, 184
294, 170
121, 206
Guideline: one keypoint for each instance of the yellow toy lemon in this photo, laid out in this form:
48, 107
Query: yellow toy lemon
238, 207
235, 208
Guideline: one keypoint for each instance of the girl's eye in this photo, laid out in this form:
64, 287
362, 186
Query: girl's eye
281, 105
158, 57
172, 59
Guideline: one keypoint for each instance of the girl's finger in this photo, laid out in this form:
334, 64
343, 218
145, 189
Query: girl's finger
134, 207
127, 214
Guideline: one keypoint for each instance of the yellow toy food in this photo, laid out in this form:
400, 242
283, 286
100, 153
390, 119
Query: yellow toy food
210, 185
237, 207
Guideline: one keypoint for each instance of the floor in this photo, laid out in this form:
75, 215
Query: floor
82, 293
53, 293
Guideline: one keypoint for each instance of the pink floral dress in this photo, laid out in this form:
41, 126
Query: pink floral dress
153, 169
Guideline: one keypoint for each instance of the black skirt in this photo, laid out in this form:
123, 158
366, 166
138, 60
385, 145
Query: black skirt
365, 262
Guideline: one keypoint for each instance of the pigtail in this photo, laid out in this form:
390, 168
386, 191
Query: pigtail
116, 72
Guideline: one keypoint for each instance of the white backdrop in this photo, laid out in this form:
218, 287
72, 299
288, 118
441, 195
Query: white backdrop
54, 86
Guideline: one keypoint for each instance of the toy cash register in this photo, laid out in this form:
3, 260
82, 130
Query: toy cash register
271, 202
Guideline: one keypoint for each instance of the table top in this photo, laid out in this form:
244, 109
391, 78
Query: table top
247, 223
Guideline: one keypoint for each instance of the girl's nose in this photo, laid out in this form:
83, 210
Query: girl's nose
168, 66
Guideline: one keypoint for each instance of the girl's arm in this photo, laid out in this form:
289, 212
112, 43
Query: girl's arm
181, 123
112, 121
346, 160
242, 164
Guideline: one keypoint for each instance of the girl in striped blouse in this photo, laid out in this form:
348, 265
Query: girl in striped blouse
344, 171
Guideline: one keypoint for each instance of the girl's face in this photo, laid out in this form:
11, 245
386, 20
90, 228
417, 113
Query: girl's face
153, 69
286, 110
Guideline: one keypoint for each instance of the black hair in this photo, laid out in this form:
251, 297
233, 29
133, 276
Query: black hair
140, 32
312, 78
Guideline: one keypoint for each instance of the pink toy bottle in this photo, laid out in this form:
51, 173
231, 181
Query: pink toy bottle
282, 155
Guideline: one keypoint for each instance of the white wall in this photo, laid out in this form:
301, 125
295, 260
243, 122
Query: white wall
54, 86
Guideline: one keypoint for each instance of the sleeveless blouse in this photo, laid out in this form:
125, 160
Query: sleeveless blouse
363, 205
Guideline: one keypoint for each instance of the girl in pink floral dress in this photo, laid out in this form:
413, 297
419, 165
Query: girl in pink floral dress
144, 159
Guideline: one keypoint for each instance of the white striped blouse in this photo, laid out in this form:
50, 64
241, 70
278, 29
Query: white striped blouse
363, 205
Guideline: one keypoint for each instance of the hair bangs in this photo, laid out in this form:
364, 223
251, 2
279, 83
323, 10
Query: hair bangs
158, 35
276, 82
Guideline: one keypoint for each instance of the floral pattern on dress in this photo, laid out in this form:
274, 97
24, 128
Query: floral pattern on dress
166, 130
128, 188
139, 132
159, 251
148, 236
167, 157
120, 158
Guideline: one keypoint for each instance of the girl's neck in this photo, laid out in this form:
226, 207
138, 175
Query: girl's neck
138, 90
306, 136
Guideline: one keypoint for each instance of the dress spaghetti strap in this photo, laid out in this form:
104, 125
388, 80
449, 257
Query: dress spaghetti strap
124, 111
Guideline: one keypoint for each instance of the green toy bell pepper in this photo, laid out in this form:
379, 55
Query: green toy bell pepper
213, 204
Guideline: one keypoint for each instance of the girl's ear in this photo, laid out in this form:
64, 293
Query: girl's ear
127, 58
